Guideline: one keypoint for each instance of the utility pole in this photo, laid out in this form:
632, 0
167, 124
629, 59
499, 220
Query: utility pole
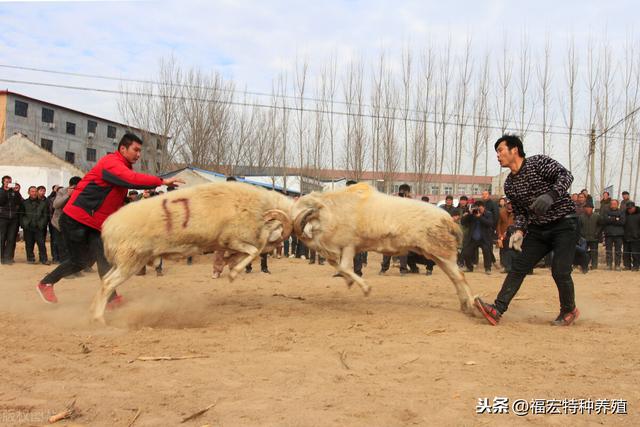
592, 160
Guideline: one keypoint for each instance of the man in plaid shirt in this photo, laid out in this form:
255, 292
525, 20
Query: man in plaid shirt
545, 221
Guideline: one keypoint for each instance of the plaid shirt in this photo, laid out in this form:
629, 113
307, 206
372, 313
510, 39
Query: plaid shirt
539, 175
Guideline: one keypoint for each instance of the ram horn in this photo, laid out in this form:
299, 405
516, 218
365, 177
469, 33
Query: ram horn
277, 214
303, 218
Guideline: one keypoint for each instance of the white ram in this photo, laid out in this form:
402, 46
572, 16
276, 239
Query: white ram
239, 218
340, 223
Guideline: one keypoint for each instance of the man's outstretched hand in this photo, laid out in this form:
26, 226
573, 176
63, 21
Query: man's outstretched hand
172, 182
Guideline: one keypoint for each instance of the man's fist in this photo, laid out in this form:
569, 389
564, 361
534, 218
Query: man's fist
541, 205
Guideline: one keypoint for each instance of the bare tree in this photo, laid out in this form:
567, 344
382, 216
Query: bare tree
480, 116
464, 79
407, 60
630, 85
593, 77
571, 78
390, 158
445, 82
422, 159
544, 80
524, 83
302, 71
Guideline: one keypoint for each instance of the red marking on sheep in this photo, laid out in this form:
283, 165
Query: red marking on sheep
167, 215
187, 211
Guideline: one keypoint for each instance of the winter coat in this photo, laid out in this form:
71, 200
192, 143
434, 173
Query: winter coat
632, 227
613, 222
590, 227
35, 214
10, 203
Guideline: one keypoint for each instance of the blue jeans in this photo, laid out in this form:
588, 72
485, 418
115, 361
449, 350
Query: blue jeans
559, 237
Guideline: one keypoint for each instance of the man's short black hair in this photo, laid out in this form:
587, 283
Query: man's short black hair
425, 198
41, 187
133, 193
33, 186
464, 198
128, 139
404, 188
449, 197
625, 193
350, 182
5, 177
74, 181
231, 178
513, 141
479, 203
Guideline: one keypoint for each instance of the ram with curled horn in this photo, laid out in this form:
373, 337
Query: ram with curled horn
341, 223
235, 218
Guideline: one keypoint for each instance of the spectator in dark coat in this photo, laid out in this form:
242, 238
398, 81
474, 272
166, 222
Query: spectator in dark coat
625, 201
590, 231
34, 224
480, 223
10, 206
632, 238
613, 222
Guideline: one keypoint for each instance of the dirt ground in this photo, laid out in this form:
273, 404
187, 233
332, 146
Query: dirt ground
298, 348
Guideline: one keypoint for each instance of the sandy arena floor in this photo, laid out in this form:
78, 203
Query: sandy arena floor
298, 348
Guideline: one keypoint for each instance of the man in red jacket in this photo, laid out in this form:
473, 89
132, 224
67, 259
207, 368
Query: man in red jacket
101, 192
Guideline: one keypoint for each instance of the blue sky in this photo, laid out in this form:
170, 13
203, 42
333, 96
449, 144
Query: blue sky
251, 41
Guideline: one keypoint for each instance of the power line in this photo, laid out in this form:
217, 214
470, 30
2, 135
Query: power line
269, 106
272, 95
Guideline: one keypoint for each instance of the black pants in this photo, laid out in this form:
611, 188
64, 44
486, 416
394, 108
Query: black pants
592, 252
471, 248
386, 263
8, 233
263, 264
632, 251
559, 237
611, 243
286, 247
301, 250
85, 247
55, 243
31, 238
506, 256
413, 259
358, 260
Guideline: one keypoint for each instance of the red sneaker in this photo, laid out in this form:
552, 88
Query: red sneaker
115, 302
46, 293
488, 311
566, 319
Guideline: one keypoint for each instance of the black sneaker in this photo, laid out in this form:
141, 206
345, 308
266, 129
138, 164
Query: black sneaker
265, 270
489, 311
566, 319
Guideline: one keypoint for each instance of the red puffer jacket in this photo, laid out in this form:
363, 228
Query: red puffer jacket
103, 189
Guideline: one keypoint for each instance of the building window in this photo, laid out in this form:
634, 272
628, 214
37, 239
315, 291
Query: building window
92, 126
71, 128
91, 154
47, 144
21, 108
47, 115
435, 190
111, 132
70, 157
462, 189
448, 189
476, 189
